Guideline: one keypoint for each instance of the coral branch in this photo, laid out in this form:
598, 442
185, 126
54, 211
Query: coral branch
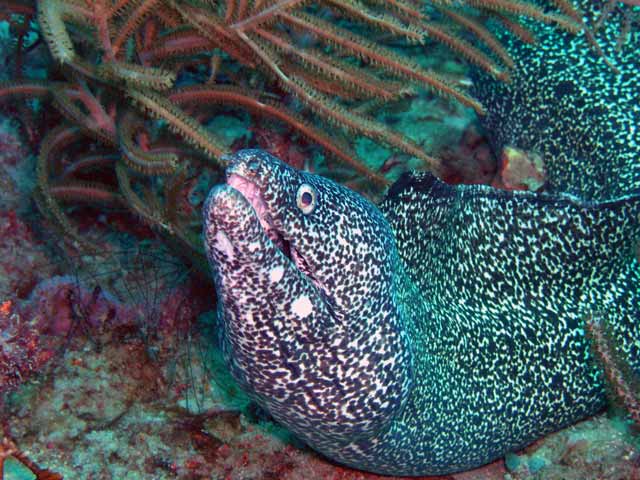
146, 162
180, 122
28, 89
85, 192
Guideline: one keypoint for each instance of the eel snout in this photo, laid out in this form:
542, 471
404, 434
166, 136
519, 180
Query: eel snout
235, 214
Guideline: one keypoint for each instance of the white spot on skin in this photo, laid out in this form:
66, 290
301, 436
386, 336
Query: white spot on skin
302, 306
276, 273
223, 244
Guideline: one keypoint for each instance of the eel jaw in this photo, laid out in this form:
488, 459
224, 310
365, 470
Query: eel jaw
251, 192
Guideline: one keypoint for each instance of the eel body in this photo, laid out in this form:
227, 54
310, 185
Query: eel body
575, 106
430, 334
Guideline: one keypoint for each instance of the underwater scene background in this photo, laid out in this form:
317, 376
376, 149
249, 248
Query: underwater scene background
116, 119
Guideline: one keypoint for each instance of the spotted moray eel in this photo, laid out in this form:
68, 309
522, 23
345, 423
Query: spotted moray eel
427, 335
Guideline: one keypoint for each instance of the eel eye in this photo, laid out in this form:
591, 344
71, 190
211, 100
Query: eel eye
306, 198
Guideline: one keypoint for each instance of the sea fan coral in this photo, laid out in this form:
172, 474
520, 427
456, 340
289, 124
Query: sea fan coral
123, 64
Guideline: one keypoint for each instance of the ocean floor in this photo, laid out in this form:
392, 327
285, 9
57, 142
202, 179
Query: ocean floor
112, 414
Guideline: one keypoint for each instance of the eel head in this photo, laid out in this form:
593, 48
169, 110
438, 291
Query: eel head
305, 274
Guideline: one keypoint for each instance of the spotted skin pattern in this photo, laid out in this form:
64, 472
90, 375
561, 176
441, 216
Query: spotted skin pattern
565, 103
429, 335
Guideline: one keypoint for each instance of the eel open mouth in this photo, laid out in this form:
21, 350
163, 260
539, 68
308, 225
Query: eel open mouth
251, 193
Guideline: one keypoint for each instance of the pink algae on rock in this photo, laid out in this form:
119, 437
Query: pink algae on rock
520, 170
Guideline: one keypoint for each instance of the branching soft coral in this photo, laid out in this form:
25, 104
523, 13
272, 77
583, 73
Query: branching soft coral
129, 69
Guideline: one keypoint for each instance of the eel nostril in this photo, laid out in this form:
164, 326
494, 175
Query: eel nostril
253, 164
